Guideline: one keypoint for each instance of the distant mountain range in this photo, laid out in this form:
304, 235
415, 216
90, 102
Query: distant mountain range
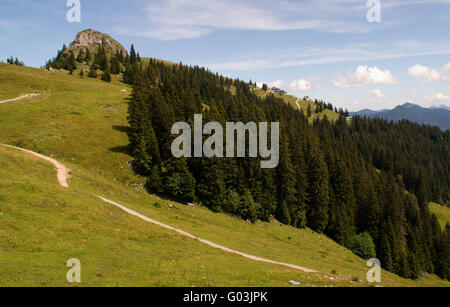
436, 116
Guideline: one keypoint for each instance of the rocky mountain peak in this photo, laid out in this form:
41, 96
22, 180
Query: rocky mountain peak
92, 39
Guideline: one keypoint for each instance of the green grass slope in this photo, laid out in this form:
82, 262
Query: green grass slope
44, 225
442, 213
291, 100
82, 123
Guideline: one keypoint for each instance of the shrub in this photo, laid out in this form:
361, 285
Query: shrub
301, 219
362, 245
180, 185
232, 202
157, 205
248, 209
106, 76
93, 72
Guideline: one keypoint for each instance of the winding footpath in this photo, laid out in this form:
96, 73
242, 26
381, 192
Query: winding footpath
24, 96
209, 243
298, 105
63, 176
62, 172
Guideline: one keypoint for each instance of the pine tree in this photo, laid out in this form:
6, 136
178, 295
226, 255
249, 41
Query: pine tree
444, 254
232, 202
318, 190
133, 57
178, 181
384, 253
88, 56
342, 211
72, 64
211, 184
154, 183
106, 76
115, 65
162, 117
80, 56
100, 58
92, 71
248, 209
309, 112
287, 183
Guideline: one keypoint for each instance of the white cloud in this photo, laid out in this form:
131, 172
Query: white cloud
430, 74
379, 95
304, 85
276, 83
424, 72
365, 75
438, 99
202, 17
181, 19
325, 54
166, 33
300, 85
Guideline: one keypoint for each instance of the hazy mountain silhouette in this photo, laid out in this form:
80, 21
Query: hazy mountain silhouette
436, 116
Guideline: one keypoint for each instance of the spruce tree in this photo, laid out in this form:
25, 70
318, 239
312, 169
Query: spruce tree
92, 71
309, 111
287, 183
80, 56
88, 56
133, 57
71, 64
211, 184
106, 76
248, 209
318, 189
154, 183
444, 254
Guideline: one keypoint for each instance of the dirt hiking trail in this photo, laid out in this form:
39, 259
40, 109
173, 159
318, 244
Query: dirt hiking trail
62, 172
63, 175
24, 96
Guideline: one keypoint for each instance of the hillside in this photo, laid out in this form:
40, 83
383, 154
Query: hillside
442, 213
296, 102
82, 123
430, 116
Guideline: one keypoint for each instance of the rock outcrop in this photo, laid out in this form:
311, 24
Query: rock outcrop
92, 39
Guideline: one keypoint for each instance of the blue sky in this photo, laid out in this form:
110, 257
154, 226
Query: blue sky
324, 49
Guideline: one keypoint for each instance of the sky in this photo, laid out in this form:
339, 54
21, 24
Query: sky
355, 54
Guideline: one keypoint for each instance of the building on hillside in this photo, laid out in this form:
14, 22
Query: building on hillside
276, 90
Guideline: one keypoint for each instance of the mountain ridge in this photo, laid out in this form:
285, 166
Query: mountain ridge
438, 116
